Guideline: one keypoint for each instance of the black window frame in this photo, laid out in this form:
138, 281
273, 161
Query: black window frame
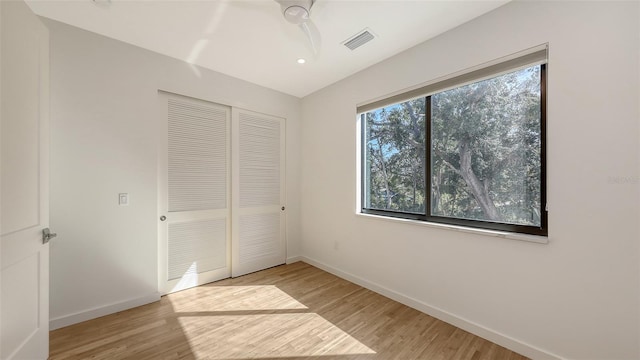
541, 230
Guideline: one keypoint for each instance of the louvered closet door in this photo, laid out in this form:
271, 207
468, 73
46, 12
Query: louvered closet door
258, 221
194, 204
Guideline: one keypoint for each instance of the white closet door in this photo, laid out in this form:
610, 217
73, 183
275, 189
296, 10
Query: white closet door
194, 191
258, 221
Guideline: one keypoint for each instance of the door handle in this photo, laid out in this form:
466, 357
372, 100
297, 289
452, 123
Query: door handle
47, 235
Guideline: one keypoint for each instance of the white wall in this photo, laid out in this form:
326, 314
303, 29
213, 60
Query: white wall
103, 142
575, 297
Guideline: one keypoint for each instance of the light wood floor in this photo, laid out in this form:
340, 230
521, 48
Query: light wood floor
292, 311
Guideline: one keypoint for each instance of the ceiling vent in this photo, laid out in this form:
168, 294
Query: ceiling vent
358, 40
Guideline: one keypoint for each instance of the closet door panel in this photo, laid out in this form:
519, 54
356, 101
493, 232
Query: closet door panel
258, 173
194, 219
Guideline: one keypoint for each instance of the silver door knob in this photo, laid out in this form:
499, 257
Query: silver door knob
47, 235
163, 218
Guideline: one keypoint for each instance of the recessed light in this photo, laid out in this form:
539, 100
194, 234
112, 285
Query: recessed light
301, 61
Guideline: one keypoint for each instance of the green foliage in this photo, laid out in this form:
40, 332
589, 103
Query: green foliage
485, 152
497, 123
395, 156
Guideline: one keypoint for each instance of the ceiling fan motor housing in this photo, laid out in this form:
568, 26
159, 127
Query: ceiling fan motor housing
296, 11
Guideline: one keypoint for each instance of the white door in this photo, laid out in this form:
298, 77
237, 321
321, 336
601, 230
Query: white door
258, 173
194, 186
24, 299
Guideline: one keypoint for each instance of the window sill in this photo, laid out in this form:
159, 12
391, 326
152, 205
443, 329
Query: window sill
492, 233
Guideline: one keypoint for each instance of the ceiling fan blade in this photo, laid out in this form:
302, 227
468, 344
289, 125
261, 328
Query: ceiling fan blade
313, 35
298, 12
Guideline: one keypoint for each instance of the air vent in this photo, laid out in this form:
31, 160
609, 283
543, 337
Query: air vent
358, 40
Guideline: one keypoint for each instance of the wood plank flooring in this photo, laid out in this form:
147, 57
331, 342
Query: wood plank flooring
288, 312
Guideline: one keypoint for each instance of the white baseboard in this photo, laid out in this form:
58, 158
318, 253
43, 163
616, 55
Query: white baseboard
97, 312
292, 259
467, 325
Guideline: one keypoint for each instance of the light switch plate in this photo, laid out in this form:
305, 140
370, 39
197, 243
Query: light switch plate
123, 199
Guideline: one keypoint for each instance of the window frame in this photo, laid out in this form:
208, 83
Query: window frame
541, 230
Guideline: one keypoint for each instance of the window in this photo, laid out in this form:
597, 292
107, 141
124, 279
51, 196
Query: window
469, 154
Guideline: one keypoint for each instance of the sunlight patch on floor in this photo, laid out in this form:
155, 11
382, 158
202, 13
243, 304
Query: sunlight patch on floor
234, 298
267, 336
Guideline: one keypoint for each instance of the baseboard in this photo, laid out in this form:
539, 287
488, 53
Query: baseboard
293, 259
467, 325
97, 312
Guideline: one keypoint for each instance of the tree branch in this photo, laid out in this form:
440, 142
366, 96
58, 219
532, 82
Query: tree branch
452, 167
